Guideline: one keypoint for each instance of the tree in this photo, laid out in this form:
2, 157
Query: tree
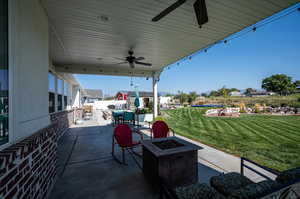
204, 94
223, 91
249, 91
214, 93
183, 97
169, 95
233, 90
297, 83
192, 97
279, 83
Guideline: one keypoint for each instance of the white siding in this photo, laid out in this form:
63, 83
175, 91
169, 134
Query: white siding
29, 62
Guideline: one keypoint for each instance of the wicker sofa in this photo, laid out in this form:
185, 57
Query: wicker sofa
237, 186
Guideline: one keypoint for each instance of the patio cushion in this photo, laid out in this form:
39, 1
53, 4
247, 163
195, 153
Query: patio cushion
228, 183
288, 175
198, 191
253, 191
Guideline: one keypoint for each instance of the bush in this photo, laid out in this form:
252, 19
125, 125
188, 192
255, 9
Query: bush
242, 107
243, 111
144, 111
295, 105
160, 118
257, 108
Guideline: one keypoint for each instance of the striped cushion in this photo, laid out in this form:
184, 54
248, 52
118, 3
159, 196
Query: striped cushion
253, 191
229, 182
198, 191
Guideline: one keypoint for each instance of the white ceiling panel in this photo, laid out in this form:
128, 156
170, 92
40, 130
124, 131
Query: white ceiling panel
79, 35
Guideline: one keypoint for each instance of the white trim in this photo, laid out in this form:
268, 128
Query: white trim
12, 70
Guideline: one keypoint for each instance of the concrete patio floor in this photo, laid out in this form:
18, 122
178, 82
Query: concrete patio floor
87, 170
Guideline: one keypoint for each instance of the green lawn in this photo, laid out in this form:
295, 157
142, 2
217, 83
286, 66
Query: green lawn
273, 141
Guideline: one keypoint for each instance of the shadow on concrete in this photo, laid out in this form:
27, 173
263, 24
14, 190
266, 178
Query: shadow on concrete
87, 170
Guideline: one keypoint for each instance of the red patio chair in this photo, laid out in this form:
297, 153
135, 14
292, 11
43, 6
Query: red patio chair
123, 137
160, 130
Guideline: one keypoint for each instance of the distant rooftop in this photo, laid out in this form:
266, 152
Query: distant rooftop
141, 93
93, 93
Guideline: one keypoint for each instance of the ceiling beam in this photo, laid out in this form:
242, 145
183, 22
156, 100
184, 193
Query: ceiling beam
95, 70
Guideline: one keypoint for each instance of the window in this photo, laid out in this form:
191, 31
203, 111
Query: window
4, 72
51, 79
51, 88
60, 87
66, 89
51, 102
65, 101
59, 102
60, 92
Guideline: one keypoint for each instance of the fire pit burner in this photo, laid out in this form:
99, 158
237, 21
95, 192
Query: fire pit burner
167, 144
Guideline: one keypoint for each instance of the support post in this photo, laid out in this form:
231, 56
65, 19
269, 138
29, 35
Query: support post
155, 97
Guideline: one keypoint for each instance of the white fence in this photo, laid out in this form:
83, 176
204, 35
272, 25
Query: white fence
103, 105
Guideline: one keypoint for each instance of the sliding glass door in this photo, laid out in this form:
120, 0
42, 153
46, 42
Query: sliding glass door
3, 71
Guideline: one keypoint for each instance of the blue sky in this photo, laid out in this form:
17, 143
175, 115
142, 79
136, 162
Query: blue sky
241, 63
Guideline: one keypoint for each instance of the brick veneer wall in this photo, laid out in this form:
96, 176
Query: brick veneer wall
63, 119
28, 168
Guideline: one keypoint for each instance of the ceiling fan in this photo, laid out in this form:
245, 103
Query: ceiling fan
133, 60
199, 8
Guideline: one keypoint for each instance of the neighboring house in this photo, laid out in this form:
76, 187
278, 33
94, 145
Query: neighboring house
236, 94
145, 96
261, 93
298, 89
122, 95
163, 100
92, 95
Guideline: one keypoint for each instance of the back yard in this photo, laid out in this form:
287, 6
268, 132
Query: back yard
273, 141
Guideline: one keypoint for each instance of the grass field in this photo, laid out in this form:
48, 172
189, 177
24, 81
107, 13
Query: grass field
273, 141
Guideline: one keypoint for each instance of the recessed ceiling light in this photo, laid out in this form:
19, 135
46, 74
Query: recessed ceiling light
103, 18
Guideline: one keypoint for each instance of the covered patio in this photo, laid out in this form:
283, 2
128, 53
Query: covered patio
86, 168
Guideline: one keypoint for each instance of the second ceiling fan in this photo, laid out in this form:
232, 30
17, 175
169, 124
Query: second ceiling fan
132, 60
199, 8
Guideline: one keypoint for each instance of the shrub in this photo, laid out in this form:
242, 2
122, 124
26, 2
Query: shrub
242, 108
243, 111
160, 118
257, 108
295, 105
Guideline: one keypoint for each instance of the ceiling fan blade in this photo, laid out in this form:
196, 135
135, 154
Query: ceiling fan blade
168, 10
125, 62
201, 12
142, 63
139, 58
122, 59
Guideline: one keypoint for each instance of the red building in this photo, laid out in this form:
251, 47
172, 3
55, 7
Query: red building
122, 95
